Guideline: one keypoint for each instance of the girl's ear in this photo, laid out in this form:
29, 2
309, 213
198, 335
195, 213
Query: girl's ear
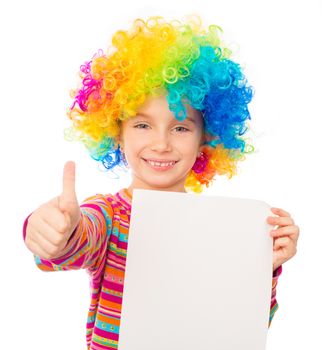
119, 137
118, 141
203, 139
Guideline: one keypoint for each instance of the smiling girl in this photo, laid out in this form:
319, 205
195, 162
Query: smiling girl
168, 104
159, 149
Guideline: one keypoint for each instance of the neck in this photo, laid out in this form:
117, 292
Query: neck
130, 189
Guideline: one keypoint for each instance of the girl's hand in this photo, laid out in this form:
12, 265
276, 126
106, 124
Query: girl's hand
51, 225
284, 237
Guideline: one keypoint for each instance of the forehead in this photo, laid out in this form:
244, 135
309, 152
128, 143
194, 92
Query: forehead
156, 107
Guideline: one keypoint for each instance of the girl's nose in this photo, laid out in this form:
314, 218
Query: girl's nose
161, 143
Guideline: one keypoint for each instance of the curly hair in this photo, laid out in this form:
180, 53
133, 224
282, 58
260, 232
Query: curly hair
180, 60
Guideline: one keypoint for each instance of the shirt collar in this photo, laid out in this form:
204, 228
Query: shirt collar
125, 197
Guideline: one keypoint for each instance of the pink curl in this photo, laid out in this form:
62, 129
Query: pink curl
200, 163
91, 86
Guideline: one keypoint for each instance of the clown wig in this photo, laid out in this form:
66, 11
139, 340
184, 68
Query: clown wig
182, 61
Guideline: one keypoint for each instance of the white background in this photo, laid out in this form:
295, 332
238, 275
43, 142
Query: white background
43, 43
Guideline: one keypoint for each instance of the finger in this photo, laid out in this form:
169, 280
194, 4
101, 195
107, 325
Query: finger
280, 212
49, 233
284, 250
47, 246
279, 257
68, 196
56, 219
35, 248
281, 221
281, 242
69, 180
291, 231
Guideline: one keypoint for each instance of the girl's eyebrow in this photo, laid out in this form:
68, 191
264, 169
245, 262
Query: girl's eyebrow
148, 116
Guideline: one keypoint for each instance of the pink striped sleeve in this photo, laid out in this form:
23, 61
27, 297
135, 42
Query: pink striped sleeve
274, 304
87, 245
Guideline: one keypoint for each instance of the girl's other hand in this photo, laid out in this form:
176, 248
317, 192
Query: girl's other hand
285, 236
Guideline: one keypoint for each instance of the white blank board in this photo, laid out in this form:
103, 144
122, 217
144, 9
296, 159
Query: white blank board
198, 273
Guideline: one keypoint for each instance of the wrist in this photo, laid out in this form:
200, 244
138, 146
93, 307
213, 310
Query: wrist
277, 272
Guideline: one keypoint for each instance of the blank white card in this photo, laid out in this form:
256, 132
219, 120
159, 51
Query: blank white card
198, 273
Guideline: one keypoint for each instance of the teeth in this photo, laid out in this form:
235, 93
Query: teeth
160, 164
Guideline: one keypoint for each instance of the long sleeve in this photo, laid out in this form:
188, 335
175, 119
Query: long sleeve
274, 304
87, 245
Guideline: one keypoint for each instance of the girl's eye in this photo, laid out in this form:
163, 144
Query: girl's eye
144, 126
138, 126
183, 129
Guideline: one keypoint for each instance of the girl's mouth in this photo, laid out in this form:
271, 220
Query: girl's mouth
160, 166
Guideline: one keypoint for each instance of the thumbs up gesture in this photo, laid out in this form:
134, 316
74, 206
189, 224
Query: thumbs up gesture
51, 225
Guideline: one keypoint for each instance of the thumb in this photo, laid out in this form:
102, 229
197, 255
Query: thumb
68, 198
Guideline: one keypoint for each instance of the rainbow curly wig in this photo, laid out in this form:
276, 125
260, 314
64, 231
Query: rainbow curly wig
180, 60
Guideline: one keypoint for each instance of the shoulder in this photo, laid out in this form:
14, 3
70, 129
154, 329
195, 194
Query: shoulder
110, 203
100, 203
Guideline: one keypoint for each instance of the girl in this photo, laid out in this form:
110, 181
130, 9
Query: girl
168, 103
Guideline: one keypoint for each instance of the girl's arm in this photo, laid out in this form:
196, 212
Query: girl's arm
274, 304
87, 245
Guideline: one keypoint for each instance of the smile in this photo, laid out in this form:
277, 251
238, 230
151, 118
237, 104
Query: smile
160, 165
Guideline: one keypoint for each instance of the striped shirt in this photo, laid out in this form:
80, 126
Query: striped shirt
99, 245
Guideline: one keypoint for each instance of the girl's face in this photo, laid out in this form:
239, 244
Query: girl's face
159, 149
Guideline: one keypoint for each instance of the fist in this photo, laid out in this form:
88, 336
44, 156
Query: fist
51, 225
